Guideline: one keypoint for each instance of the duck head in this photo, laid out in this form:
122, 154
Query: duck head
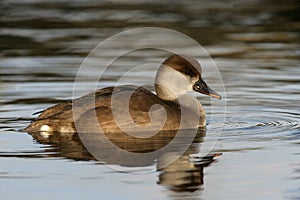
178, 75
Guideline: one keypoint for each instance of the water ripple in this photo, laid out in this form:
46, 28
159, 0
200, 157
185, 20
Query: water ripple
264, 125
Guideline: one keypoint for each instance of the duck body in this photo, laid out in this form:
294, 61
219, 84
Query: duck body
135, 108
60, 118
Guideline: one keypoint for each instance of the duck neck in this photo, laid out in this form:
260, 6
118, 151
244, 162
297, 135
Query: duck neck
165, 94
185, 102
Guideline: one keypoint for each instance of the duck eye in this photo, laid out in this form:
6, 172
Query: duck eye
188, 72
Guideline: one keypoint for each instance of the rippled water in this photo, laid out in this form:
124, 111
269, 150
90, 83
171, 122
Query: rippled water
256, 47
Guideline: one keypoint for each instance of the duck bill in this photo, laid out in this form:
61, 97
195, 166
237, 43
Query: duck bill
201, 87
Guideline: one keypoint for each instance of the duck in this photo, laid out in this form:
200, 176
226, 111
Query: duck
129, 108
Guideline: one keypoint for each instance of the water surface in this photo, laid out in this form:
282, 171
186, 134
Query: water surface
256, 47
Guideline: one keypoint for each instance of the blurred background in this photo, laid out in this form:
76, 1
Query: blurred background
256, 46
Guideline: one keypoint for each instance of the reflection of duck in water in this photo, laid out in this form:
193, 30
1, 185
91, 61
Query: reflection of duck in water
184, 174
176, 76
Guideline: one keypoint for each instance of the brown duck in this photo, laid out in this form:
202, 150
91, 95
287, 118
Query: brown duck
135, 109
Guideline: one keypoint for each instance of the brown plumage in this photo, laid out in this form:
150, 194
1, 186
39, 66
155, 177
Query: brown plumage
180, 73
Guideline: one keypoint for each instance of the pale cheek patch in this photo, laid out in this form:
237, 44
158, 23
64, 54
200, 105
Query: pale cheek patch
174, 80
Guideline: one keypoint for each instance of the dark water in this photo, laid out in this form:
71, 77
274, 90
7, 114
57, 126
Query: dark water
255, 45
